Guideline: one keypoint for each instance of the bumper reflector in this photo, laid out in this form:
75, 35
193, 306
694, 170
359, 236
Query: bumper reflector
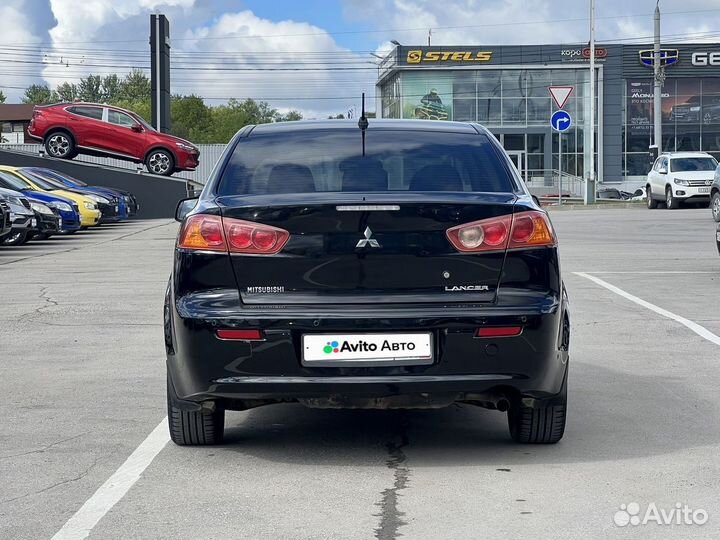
240, 335
499, 331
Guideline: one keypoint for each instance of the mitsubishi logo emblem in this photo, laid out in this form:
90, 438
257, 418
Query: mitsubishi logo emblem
368, 241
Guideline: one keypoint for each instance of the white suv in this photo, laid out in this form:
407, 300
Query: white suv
680, 176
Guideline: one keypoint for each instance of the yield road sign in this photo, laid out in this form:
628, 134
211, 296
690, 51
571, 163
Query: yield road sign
560, 94
561, 121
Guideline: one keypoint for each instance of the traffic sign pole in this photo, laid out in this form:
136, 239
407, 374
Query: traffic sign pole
560, 168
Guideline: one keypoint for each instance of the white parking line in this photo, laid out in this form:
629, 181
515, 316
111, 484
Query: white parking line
695, 327
79, 526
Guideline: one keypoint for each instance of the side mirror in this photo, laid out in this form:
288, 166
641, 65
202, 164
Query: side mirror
662, 170
137, 128
184, 207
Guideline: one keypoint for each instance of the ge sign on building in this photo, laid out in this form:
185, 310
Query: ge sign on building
706, 58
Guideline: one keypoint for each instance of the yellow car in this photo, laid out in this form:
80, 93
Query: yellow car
89, 213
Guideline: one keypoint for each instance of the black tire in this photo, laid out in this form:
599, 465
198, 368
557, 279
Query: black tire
715, 206
68, 233
160, 162
41, 236
193, 428
543, 424
16, 239
60, 144
652, 204
671, 203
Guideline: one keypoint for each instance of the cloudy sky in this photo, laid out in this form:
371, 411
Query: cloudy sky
315, 56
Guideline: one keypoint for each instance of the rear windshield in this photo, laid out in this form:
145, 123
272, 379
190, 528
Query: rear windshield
332, 160
692, 164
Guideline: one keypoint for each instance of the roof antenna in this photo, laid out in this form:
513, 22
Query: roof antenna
363, 123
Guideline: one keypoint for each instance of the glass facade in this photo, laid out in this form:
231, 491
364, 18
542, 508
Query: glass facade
512, 102
690, 119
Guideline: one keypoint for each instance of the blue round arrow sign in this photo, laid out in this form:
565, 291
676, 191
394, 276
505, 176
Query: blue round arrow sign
561, 121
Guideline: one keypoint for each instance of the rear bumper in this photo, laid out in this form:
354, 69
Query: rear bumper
465, 368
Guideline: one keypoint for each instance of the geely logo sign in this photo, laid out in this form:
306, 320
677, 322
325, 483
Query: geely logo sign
668, 57
368, 241
706, 58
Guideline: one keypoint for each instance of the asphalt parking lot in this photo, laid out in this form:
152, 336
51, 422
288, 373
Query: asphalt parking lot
82, 371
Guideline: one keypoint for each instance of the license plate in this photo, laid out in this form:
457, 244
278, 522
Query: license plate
704, 190
367, 349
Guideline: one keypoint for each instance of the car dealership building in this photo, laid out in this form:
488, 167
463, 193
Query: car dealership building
505, 88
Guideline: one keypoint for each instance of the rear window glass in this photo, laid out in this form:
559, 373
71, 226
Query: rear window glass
90, 112
692, 164
332, 160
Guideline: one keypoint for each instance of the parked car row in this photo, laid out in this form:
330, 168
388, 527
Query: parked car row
37, 203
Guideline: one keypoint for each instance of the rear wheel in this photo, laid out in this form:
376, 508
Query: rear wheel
60, 145
715, 206
543, 424
651, 203
672, 203
196, 428
160, 162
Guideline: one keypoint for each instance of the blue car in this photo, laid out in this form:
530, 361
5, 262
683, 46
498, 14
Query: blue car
116, 198
67, 209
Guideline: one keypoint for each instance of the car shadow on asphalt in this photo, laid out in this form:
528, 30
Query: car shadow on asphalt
611, 416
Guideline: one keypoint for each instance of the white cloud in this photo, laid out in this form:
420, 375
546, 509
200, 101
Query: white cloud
276, 45
14, 29
79, 20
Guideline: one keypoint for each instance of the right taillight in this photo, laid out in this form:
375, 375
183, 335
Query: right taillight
213, 233
516, 231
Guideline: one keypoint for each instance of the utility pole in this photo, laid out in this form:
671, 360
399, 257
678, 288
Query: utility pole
590, 182
659, 76
429, 35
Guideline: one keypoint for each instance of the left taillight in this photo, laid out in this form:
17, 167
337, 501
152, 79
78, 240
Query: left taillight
515, 231
213, 233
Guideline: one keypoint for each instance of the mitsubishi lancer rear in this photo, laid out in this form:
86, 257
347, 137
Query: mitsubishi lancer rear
375, 264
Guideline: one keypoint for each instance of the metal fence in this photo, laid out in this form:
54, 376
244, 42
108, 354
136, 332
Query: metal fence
209, 155
551, 182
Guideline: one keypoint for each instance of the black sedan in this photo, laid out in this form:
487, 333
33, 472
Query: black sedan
400, 265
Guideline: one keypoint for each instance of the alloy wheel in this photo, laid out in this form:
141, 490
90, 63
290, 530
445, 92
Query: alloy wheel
716, 208
59, 145
159, 163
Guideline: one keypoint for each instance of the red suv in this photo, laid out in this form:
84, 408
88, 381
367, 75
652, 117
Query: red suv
69, 129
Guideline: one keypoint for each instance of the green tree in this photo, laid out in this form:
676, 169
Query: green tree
135, 86
90, 89
289, 116
111, 88
2, 97
67, 92
340, 116
39, 94
191, 118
